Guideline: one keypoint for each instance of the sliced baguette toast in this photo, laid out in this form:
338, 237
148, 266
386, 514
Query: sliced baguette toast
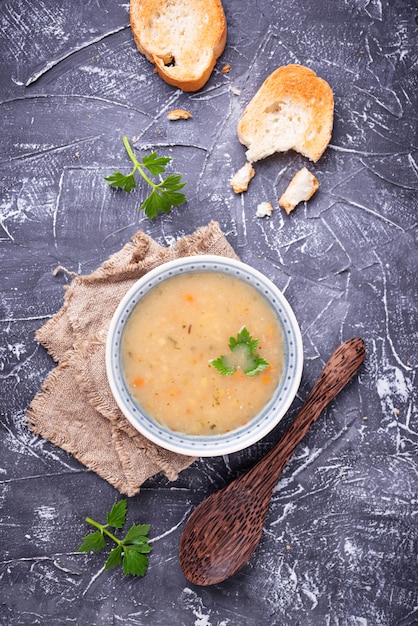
182, 38
292, 110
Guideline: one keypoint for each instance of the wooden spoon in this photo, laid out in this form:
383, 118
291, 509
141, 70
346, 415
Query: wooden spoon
224, 530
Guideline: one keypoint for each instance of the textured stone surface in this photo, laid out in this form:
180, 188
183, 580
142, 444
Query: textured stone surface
340, 540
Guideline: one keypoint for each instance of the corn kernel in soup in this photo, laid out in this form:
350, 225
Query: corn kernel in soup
176, 330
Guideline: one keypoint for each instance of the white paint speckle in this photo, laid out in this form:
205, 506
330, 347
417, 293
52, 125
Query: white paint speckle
17, 349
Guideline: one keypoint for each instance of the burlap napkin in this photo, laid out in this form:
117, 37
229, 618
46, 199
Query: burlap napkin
75, 408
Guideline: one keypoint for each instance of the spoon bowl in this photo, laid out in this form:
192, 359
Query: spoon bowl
223, 531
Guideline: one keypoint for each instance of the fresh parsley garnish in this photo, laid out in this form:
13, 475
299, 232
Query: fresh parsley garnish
129, 551
223, 366
243, 355
164, 195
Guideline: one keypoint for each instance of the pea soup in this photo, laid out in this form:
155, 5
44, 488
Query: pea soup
176, 331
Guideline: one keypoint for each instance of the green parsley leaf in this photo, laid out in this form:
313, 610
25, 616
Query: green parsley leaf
258, 364
134, 563
143, 548
137, 534
221, 364
117, 516
120, 180
93, 542
115, 557
244, 356
244, 338
164, 195
129, 551
154, 163
153, 204
172, 183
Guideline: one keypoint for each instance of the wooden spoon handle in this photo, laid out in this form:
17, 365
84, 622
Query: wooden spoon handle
339, 369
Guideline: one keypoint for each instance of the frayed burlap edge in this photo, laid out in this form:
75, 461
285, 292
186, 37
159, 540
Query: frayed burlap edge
130, 458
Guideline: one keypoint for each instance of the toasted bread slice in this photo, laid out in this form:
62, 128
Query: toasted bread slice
302, 187
292, 110
183, 38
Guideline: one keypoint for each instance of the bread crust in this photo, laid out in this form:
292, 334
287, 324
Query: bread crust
292, 110
179, 114
182, 38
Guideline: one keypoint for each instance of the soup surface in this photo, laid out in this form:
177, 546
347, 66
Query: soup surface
174, 333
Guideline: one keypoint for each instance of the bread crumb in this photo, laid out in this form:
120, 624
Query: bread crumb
264, 209
226, 68
179, 114
241, 179
302, 187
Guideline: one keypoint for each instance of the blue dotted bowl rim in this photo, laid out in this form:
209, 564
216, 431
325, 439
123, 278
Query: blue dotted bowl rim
265, 420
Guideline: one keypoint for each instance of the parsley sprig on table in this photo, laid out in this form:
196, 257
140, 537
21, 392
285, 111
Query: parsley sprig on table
244, 347
164, 195
130, 550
